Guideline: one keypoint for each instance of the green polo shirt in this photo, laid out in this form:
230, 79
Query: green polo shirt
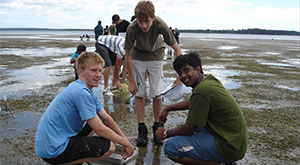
214, 107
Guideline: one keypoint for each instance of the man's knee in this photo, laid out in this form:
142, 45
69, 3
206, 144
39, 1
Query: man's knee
169, 148
107, 68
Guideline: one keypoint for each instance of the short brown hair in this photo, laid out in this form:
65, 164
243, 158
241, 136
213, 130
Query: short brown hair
88, 57
144, 9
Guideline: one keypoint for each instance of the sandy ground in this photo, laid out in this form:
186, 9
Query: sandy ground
262, 74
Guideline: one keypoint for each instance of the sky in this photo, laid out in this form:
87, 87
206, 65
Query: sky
181, 14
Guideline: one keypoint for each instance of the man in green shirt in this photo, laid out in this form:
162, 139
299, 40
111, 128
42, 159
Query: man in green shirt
215, 130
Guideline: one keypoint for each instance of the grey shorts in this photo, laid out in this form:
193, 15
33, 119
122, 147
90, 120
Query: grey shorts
155, 77
108, 56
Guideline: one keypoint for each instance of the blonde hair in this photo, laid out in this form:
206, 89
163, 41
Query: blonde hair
144, 9
88, 57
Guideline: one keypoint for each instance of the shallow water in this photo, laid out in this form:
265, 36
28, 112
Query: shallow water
32, 75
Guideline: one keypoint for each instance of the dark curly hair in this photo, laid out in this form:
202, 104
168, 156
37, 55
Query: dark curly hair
192, 59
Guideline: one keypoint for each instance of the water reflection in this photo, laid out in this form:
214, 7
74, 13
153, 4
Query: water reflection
156, 151
118, 107
141, 155
145, 156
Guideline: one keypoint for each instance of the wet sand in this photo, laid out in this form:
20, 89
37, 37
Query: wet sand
262, 74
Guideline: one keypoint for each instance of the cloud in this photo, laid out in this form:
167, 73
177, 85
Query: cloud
184, 14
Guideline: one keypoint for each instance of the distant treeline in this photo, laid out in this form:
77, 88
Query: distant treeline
242, 31
245, 31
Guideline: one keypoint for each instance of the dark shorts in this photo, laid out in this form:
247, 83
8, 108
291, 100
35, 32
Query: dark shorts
108, 56
82, 146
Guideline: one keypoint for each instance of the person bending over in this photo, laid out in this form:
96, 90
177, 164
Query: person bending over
144, 52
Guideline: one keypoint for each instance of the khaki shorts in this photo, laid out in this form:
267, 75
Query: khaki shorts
155, 77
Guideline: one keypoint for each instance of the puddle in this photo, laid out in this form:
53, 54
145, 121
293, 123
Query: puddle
234, 54
37, 52
170, 53
13, 126
294, 62
272, 53
36, 77
276, 64
22, 37
41, 37
227, 47
289, 88
222, 75
40, 52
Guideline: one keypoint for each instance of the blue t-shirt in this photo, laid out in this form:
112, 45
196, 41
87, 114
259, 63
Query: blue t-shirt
74, 55
64, 118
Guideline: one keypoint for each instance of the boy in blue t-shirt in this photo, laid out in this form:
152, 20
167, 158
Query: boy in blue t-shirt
62, 134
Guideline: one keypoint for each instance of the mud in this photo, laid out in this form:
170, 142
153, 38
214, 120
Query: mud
262, 74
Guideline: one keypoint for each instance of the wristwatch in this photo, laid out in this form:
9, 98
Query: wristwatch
165, 134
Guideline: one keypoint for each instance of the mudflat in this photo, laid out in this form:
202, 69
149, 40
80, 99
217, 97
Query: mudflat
262, 74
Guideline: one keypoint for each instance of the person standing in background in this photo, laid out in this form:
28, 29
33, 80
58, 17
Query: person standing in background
106, 30
98, 30
112, 29
132, 18
176, 34
121, 25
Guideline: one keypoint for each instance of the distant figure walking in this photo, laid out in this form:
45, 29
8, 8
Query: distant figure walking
176, 34
98, 30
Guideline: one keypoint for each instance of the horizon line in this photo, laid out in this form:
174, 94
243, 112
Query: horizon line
38, 28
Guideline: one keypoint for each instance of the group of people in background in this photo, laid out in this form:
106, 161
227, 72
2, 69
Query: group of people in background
214, 131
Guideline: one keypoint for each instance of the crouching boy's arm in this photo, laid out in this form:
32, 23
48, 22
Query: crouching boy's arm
185, 129
110, 130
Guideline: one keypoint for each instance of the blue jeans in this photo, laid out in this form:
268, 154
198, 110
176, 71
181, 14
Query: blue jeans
199, 146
